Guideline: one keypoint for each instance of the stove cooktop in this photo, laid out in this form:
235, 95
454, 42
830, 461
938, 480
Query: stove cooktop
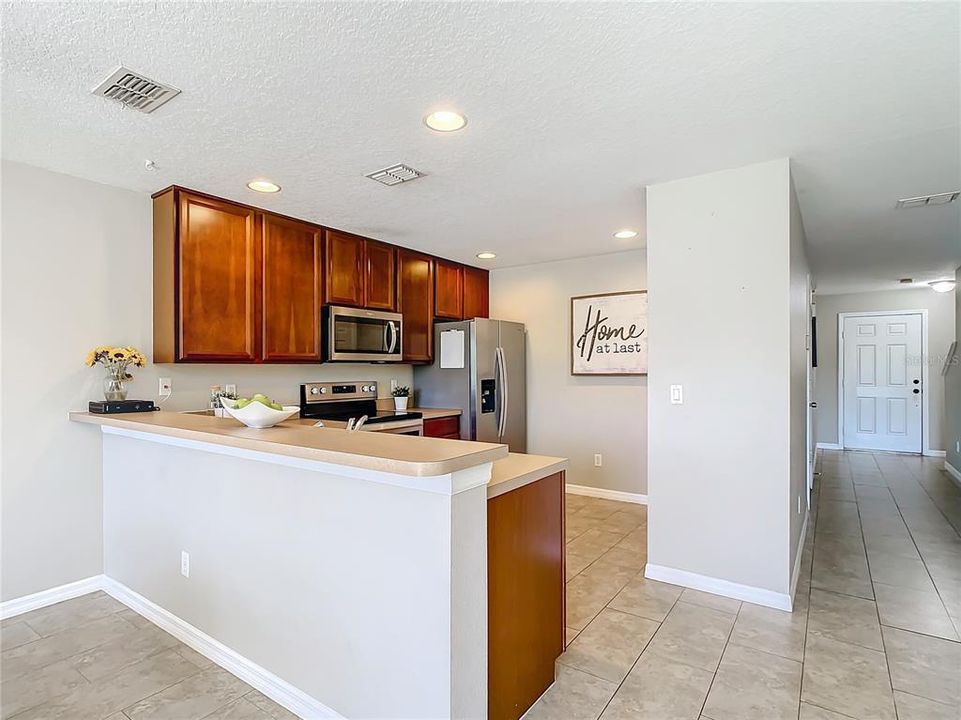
380, 416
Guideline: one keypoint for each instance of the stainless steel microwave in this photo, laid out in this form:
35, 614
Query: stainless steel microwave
355, 335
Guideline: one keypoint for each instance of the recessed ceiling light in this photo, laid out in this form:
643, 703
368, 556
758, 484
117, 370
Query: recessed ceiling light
625, 234
486, 255
445, 121
942, 286
263, 186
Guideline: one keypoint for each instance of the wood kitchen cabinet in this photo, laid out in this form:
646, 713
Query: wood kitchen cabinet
476, 293
445, 427
292, 283
360, 272
415, 300
448, 290
380, 275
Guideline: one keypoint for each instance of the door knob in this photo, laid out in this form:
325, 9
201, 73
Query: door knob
812, 404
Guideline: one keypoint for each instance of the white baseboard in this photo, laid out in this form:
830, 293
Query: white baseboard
277, 689
748, 593
636, 498
20, 605
953, 472
935, 453
829, 446
800, 553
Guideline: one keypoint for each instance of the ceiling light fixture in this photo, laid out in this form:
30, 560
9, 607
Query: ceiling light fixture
263, 186
625, 234
445, 121
942, 286
928, 200
486, 255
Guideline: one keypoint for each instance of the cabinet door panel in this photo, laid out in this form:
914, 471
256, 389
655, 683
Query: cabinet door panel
381, 276
292, 273
345, 269
449, 291
476, 293
415, 299
219, 281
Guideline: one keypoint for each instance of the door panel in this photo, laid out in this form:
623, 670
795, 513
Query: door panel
345, 269
882, 390
513, 342
380, 283
476, 293
449, 291
415, 299
483, 346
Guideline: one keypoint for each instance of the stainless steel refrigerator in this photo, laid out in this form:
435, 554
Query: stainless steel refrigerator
480, 367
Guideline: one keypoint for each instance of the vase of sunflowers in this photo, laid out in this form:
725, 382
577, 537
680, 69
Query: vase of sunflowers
116, 361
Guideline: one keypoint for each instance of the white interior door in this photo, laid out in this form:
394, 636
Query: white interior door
882, 388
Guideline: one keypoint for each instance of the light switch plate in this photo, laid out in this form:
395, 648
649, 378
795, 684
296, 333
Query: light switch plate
677, 395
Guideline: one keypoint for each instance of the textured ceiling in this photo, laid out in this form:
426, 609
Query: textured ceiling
574, 108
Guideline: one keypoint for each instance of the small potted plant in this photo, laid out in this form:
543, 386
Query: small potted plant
401, 395
115, 361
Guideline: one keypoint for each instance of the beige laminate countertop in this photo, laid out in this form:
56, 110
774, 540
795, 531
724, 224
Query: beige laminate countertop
519, 469
384, 452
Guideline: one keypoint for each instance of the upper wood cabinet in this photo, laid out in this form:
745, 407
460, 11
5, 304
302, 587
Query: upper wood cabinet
380, 277
415, 299
360, 272
292, 283
448, 290
346, 269
476, 293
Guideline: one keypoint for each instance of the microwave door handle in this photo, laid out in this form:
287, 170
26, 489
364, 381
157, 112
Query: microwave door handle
392, 329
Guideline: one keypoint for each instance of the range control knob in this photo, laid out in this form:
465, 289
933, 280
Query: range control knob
323, 391
314, 391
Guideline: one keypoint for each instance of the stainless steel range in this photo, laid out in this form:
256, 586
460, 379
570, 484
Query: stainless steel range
353, 406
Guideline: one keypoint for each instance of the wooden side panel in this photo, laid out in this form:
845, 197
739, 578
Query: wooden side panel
476, 293
164, 277
449, 290
345, 269
415, 299
293, 282
219, 273
525, 555
381, 277
448, 427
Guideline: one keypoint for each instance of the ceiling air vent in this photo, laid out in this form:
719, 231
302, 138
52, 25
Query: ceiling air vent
135, 91
395, 174
929, 200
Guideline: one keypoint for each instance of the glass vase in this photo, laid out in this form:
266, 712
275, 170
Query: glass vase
115, 384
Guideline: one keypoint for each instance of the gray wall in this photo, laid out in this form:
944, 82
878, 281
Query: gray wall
720, 465
952, 396
77, 273
576, 417
941, 320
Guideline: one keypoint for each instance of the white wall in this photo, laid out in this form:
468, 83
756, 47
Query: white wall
952, 392
720, 465
76, 272
941, 320
568, 416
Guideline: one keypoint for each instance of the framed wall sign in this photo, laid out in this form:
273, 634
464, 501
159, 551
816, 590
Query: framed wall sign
609, 334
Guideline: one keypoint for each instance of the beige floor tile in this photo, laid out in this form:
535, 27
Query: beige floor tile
658, 689
773, 631
574, 563
192, 656
240, 709
112, 657
597, 509
192, 698
37, 687
899, 571
693, 635
841, 568
575, 502
813, 712
608, 576
647, 598
710, 600
273, 709
844, 618
625, 557
575, 695
754, 685
15, 634
847, 678
925, 666
593, 543
912, 707
585, 598
135, 618
610, 644
70, 613
914, 610
107, 696
623, 522
569, 635
635, 540
35, 655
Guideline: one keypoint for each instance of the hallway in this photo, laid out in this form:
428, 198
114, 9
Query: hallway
874, 635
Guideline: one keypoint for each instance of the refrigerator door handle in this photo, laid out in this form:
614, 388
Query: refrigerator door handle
507, 393
499, 389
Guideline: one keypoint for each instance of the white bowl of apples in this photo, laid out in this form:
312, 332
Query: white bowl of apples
258, 411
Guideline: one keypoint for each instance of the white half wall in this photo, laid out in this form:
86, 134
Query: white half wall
941, 321
568, 416
76, 273
722, 472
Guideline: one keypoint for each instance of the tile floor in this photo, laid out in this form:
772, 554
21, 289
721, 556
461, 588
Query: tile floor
91, 658
875, 634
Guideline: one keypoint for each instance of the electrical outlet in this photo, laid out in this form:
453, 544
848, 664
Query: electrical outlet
185, 563
598, 460
677, 395
230, 389
166, 387
957, 446
393, 385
